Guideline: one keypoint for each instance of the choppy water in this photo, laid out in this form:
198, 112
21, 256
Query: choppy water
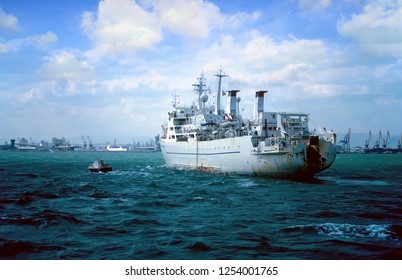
52, 208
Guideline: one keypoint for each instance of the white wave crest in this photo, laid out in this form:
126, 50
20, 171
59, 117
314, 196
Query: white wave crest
354, 231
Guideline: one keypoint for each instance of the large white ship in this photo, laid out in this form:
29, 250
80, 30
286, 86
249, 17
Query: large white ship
271, 144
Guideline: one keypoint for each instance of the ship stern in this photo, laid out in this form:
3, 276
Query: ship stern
320, 154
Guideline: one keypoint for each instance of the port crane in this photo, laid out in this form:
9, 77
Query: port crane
385, 144
65, 141
90, 143
367, 144
378, 141
346, 142
85, 143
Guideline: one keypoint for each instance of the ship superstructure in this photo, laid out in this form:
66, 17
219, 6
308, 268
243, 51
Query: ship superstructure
272, 144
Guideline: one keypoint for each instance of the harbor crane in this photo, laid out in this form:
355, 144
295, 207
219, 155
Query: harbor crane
367, 144
346, 142
385, 144
65, 141
85, 143
378, 141
91, 146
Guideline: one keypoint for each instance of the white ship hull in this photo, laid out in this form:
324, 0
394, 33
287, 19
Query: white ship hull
237, 155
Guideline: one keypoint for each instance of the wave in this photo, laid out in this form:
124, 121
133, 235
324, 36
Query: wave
345, 230
42, 219
328, 214
10, 249
27, 175
27, 198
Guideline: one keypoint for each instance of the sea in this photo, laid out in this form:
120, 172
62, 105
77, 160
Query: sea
52, 208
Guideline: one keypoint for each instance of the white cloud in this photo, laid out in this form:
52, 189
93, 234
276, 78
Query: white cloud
120, 26
67, 73
43, 40
188, 18
127, 26
266, 51
315, 5
196, 19
261, 62
66, 65
152, 80
40, 41
7, 21
29, 95
377, 29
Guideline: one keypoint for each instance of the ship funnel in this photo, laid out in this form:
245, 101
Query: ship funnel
231, 102
259, 105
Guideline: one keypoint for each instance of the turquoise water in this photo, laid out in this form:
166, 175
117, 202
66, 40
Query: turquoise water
53, 208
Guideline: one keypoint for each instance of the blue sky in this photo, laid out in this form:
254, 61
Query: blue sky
109, 68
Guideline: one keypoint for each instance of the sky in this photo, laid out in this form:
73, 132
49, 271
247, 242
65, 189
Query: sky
110, 68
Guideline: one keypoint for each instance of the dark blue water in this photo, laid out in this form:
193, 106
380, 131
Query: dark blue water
52, 208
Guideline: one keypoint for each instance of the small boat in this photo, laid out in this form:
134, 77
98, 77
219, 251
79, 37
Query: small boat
99, 166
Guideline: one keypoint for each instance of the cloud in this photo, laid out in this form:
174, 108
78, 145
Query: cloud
43, 40
39, 41
150, 80
66, 65
302, 67
125, 26
67, 73
7, 21
377, 30
196, 19
120, 26
314, 5
188, 18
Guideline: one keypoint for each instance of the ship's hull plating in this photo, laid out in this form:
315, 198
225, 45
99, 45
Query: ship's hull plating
237, 155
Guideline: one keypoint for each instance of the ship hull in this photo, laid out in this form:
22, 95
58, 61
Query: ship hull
237, 155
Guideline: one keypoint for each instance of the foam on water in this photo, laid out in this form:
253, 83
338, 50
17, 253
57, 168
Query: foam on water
354, 231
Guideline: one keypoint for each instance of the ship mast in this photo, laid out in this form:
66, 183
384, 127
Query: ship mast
199, 88
220, 75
